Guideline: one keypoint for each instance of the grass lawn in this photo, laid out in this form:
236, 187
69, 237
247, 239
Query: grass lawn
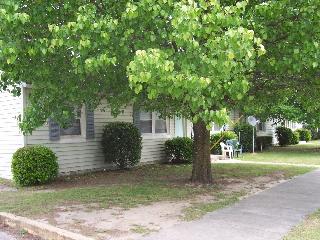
297, 154
308, 230
142, 185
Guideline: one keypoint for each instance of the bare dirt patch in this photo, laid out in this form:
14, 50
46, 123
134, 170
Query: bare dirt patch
129, 224
252, 185
141, 174
4, 188
19, 234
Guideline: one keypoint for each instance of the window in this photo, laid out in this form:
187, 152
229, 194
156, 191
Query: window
146, 122
151, 122
160, 124
74, 127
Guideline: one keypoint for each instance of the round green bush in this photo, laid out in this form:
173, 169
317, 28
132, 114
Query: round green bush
179, 150
245, 131
305, 134
295, 138
284, 136
122, 144
315, 132
34, 165
217, 138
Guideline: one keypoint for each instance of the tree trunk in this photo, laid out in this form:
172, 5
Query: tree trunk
201, 172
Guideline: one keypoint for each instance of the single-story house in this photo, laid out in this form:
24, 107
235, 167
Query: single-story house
267, 128
78, 147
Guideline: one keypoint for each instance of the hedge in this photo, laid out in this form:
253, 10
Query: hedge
305, 134
122, 144
295, 138
179, 150
284, 136
34, 165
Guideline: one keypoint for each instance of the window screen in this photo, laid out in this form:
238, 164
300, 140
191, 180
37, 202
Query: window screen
146, 122
74, 127
160, 124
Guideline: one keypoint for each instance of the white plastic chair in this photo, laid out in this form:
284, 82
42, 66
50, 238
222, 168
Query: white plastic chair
226, 150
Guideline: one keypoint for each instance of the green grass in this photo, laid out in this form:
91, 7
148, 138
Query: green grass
141, 229
308, 230
198, 210
143, 185
240, 170
297, 154
126, 196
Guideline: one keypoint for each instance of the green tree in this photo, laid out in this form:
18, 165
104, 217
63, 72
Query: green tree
187, 58
201, 68
192, 58
286, 83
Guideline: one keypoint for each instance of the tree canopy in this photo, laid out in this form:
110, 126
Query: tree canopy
286, 84
193, 58
202, 63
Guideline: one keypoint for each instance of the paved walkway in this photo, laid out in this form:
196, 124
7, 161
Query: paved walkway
5, 236
268, 215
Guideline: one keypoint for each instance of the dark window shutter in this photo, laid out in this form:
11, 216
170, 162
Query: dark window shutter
90, 133
54, 130
136, 117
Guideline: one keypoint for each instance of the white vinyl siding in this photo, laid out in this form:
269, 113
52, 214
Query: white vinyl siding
153, 146
10, 137
80, 154
271, 127
293, 125
86, 154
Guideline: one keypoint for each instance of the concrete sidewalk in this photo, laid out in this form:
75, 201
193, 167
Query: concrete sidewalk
268, 215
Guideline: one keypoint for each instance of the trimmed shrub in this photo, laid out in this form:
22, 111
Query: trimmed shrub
245, 131
122, 144
217, 138
179, 150
305, 134
315, 133
295, 138
284, 136
34, 165
264, 141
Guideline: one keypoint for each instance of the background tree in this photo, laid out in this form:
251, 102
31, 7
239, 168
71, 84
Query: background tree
286, 83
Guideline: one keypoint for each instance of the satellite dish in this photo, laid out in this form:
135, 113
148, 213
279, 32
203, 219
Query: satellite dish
252, 121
